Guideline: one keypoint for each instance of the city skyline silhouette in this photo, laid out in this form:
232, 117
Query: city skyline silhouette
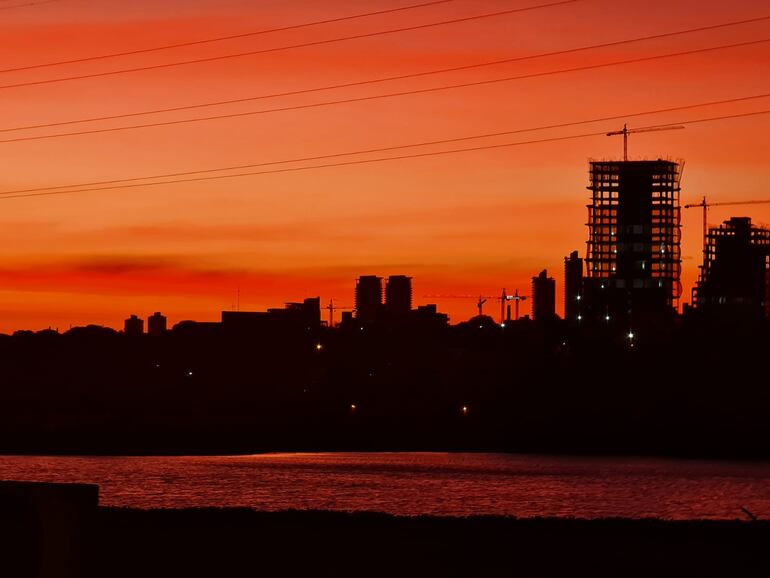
384, 288
469, 222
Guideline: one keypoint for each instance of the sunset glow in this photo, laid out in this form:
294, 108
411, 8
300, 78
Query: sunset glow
464, 224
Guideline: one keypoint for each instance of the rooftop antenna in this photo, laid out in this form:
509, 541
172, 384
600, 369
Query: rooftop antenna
627, 131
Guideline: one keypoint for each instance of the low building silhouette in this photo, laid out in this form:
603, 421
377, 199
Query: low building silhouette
429, 317
305, 316
197, 329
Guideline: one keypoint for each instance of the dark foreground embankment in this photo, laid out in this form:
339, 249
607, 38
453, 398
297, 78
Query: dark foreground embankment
238, 543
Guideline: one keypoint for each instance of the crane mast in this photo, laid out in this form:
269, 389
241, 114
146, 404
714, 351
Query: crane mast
705, 206
331, 308
627, 131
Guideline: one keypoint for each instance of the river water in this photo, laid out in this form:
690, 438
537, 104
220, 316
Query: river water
451, 484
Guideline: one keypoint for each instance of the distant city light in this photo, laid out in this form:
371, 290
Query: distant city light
353, 407
465, 410
189, 374
607, 318
580, 318
631, 335
502, 325
319, 347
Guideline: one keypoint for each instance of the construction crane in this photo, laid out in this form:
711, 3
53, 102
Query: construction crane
627, 131
481, 299
331, 308
517, 299
504, 298
705, 206
480, 304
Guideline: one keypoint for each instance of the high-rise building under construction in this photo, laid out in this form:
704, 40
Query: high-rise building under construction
735, 276
633, 260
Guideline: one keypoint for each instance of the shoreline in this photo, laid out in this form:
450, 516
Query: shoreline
226, 541
60, 530
182, 453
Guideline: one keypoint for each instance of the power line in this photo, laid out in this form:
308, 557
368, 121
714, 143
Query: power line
294, 169
9, 194
405, 146
388, 95
221, 38
289, 47
390, 78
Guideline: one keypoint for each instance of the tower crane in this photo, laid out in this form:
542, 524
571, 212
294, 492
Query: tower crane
627, 131
705, 206
481, 299
480, 304
331, 308
504, 298
517, 299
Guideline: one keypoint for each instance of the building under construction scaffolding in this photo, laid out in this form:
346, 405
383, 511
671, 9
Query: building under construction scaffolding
735, 276
633, 261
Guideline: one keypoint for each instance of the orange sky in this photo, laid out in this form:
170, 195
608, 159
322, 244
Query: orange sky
459, 224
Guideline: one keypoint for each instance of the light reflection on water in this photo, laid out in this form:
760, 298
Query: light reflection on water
418, 483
